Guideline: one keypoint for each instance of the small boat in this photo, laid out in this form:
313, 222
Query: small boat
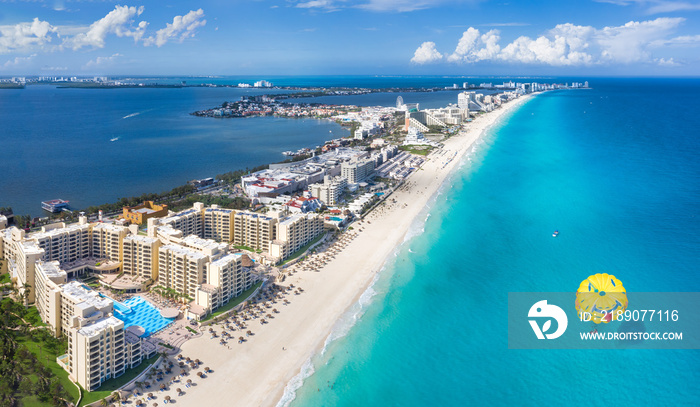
555, 234
114, 139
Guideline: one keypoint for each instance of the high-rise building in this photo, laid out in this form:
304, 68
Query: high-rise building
181, 269
97, 352
253, 230
64, 243
331, 191
357, 170
226, 279
48, 279
140, 256
218, 224
107, 241
190, 221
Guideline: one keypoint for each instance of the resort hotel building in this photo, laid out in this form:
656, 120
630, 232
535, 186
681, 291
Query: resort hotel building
331, 191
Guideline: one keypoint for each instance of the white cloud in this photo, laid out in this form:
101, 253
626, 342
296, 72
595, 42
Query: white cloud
396, 6
400, 6
54, 68
316, 4
657, 6
630, 42
567, 45
118, 21
181, 28
667, 62
682, 41
102, 61
426, 53
17, 61
474, 47
24, 36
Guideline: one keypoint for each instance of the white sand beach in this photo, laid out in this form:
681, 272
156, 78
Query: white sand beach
256, 372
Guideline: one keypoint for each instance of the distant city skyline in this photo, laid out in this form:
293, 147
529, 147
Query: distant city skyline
345, 37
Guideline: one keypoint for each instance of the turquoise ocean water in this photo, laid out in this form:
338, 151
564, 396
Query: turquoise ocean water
615, 170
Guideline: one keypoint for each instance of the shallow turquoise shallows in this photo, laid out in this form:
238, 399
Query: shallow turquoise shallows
137, 311
615, 169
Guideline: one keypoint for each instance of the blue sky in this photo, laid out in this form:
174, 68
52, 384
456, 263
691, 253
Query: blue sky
294, 37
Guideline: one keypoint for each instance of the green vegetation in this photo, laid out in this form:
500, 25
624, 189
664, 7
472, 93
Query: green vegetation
32, 316
234, 302
303, 249
208, 200
242, 247
166, 345
163, 197
233, 177
420, 150
194, 331
108, 387
435, 129
169, 293
29, 374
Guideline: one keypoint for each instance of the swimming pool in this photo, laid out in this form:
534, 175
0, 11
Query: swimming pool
337, 219
137, 311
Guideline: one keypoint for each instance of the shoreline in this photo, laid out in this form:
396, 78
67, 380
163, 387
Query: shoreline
261, 370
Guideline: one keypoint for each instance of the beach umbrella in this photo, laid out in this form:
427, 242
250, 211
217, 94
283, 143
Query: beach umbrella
167, 398
155, 404
189, 381
601, 295
182, 372
197, 361
150, 395
206, 370
248, 333
200, 374
162, 386
179, 391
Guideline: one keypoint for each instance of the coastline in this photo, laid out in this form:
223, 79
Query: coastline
259, 371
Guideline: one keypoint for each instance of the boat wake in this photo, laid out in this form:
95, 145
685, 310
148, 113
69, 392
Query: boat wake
131, 115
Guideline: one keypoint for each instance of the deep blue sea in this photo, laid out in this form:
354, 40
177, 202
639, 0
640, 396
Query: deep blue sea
56, 142
615, 169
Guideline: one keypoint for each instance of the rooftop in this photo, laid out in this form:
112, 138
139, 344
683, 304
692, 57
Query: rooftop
109, 227
231, 257
184, 251
31, 247
100, 325
80, 293
52, 269
54, 232
201, 244
140, 238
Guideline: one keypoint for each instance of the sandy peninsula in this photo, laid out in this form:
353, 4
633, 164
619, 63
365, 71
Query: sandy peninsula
256, 372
